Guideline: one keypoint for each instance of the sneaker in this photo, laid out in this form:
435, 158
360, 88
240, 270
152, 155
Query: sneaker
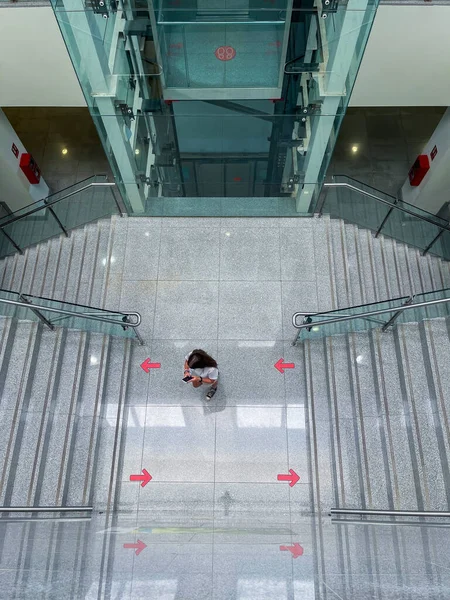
211, 393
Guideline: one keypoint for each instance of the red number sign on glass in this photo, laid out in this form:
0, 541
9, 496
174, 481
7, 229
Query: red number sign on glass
225, 53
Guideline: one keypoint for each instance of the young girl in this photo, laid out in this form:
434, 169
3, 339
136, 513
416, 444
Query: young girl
203, 369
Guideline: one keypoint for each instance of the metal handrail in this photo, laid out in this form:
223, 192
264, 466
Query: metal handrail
388, 513
31, 509
390, 204
69, 313
367, 314
51, 204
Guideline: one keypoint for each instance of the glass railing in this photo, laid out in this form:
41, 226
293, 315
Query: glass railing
77, 205
55, 313
384, 314
358, 203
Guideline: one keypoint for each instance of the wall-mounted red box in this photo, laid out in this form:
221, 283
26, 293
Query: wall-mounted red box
30, 168
419, 170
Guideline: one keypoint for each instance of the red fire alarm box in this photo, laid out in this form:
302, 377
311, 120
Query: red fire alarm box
419, 170
30, 168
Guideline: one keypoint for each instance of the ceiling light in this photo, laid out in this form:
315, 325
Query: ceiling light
137, 151
354, 149
64, 151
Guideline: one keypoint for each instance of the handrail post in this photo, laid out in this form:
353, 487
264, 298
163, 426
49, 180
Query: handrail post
321, 201
435, 239
388, 214
56, 218
121, 208
16, 246
37, 313
396, 315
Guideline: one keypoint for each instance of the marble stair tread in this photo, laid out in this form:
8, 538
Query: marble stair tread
38, 419
421, 418
340, 259
353, 262
61, 432
15, 399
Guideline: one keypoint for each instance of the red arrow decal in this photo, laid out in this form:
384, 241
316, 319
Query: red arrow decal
145, 477
138, 547
296, 550
280, 365
292, 478
147, 365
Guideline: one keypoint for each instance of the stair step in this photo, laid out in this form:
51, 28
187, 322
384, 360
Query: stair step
14, 396
39, 418
340, 261
394, 281
90, 413
353, 262
61, 427
51, 267
419, 407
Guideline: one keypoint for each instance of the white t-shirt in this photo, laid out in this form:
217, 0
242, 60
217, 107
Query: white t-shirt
206, 372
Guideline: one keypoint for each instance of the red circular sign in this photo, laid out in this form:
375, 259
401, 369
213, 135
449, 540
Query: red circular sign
225, 53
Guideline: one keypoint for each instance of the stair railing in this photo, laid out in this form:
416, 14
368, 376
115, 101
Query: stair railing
363, 205
91, 199
71, 315
367, 316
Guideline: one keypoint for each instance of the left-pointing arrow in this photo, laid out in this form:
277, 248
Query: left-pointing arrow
138, 547
147, 365
144, 478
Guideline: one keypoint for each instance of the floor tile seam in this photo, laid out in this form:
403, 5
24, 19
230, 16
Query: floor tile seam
156, 298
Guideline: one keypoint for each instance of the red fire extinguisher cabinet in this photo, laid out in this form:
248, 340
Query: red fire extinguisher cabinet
419, 170
30, 168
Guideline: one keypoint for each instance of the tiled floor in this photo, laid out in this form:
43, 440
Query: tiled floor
216, 522
214, 515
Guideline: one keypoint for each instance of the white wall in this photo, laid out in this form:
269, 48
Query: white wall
15, 189
35, 68
433, 191
407, 58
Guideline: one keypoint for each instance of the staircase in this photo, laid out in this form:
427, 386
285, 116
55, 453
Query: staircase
62, 400
377, 416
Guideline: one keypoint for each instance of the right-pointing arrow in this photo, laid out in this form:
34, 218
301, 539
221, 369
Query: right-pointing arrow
138, 547
144, 478
296, 550
292, 477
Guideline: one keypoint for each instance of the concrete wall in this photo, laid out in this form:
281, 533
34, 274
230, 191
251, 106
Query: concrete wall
407, 58
35, 68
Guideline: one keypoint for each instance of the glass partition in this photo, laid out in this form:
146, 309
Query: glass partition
77, 205
197, 100
113, 323
318, 326
367, 207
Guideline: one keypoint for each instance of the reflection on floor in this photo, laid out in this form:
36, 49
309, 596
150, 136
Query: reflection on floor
387, 142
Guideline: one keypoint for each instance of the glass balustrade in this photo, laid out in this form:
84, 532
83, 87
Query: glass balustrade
77, 205
370, 208
359, 317
55, 312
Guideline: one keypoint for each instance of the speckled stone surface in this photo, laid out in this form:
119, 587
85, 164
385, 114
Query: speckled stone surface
357, 426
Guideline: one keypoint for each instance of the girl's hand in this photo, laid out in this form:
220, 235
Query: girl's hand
195, 379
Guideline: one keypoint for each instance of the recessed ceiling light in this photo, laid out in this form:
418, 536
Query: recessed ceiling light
137, 151
64, 151
354, 149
